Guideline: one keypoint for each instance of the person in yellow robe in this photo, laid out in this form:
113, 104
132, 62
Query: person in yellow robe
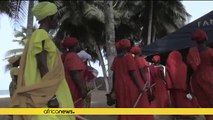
14, 63
41, 82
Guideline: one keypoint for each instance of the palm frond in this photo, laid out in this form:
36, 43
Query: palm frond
15, 9
92, 11
20, 42
20, 34
14, 52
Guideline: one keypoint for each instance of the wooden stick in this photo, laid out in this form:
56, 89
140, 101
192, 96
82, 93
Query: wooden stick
136, 102
140, 95
81, 118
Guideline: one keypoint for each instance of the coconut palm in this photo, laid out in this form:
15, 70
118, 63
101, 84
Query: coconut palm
15, 9
165, 17
21, 40
110, 36
84, 20
30, 18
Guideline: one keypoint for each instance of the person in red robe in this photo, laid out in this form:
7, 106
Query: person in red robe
127, 86
160, 91
143, 72
176, 76
74, 70
200, 60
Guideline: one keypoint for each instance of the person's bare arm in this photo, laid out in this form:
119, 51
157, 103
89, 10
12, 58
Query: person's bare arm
142, 73
188, 79
41, 59
135, 80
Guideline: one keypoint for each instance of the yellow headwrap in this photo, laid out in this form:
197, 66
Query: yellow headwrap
13, 59
44, 9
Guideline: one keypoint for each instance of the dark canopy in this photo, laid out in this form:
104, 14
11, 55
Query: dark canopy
181, 38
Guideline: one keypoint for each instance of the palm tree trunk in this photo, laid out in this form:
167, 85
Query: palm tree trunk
149, 38
110, 36
153, 34
30, 18
101, 60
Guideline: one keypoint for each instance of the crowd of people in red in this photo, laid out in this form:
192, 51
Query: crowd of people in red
43, 79
181, 83
185, 81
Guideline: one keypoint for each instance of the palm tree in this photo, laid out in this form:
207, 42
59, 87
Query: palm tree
149, 36
167, 16
15, 9
22, 39
110, 36
84, 20
30, 18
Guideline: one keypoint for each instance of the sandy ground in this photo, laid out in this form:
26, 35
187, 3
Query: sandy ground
98, 101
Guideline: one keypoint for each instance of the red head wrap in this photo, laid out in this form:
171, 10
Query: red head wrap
69, 42
135, 50
125, 43
199, 35
156, 59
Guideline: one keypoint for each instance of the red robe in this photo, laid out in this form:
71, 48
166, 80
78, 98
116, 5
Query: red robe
176, 76
160, 92
124, 87
202, 79
142, 64
73, 62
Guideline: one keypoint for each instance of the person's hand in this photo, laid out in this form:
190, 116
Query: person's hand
53, 102
140, 90
188, 90
145, 87
151, 97
111, 98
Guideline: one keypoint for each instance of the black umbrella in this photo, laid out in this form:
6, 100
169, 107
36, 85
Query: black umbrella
181, 38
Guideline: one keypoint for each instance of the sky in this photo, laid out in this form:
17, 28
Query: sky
195, 8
